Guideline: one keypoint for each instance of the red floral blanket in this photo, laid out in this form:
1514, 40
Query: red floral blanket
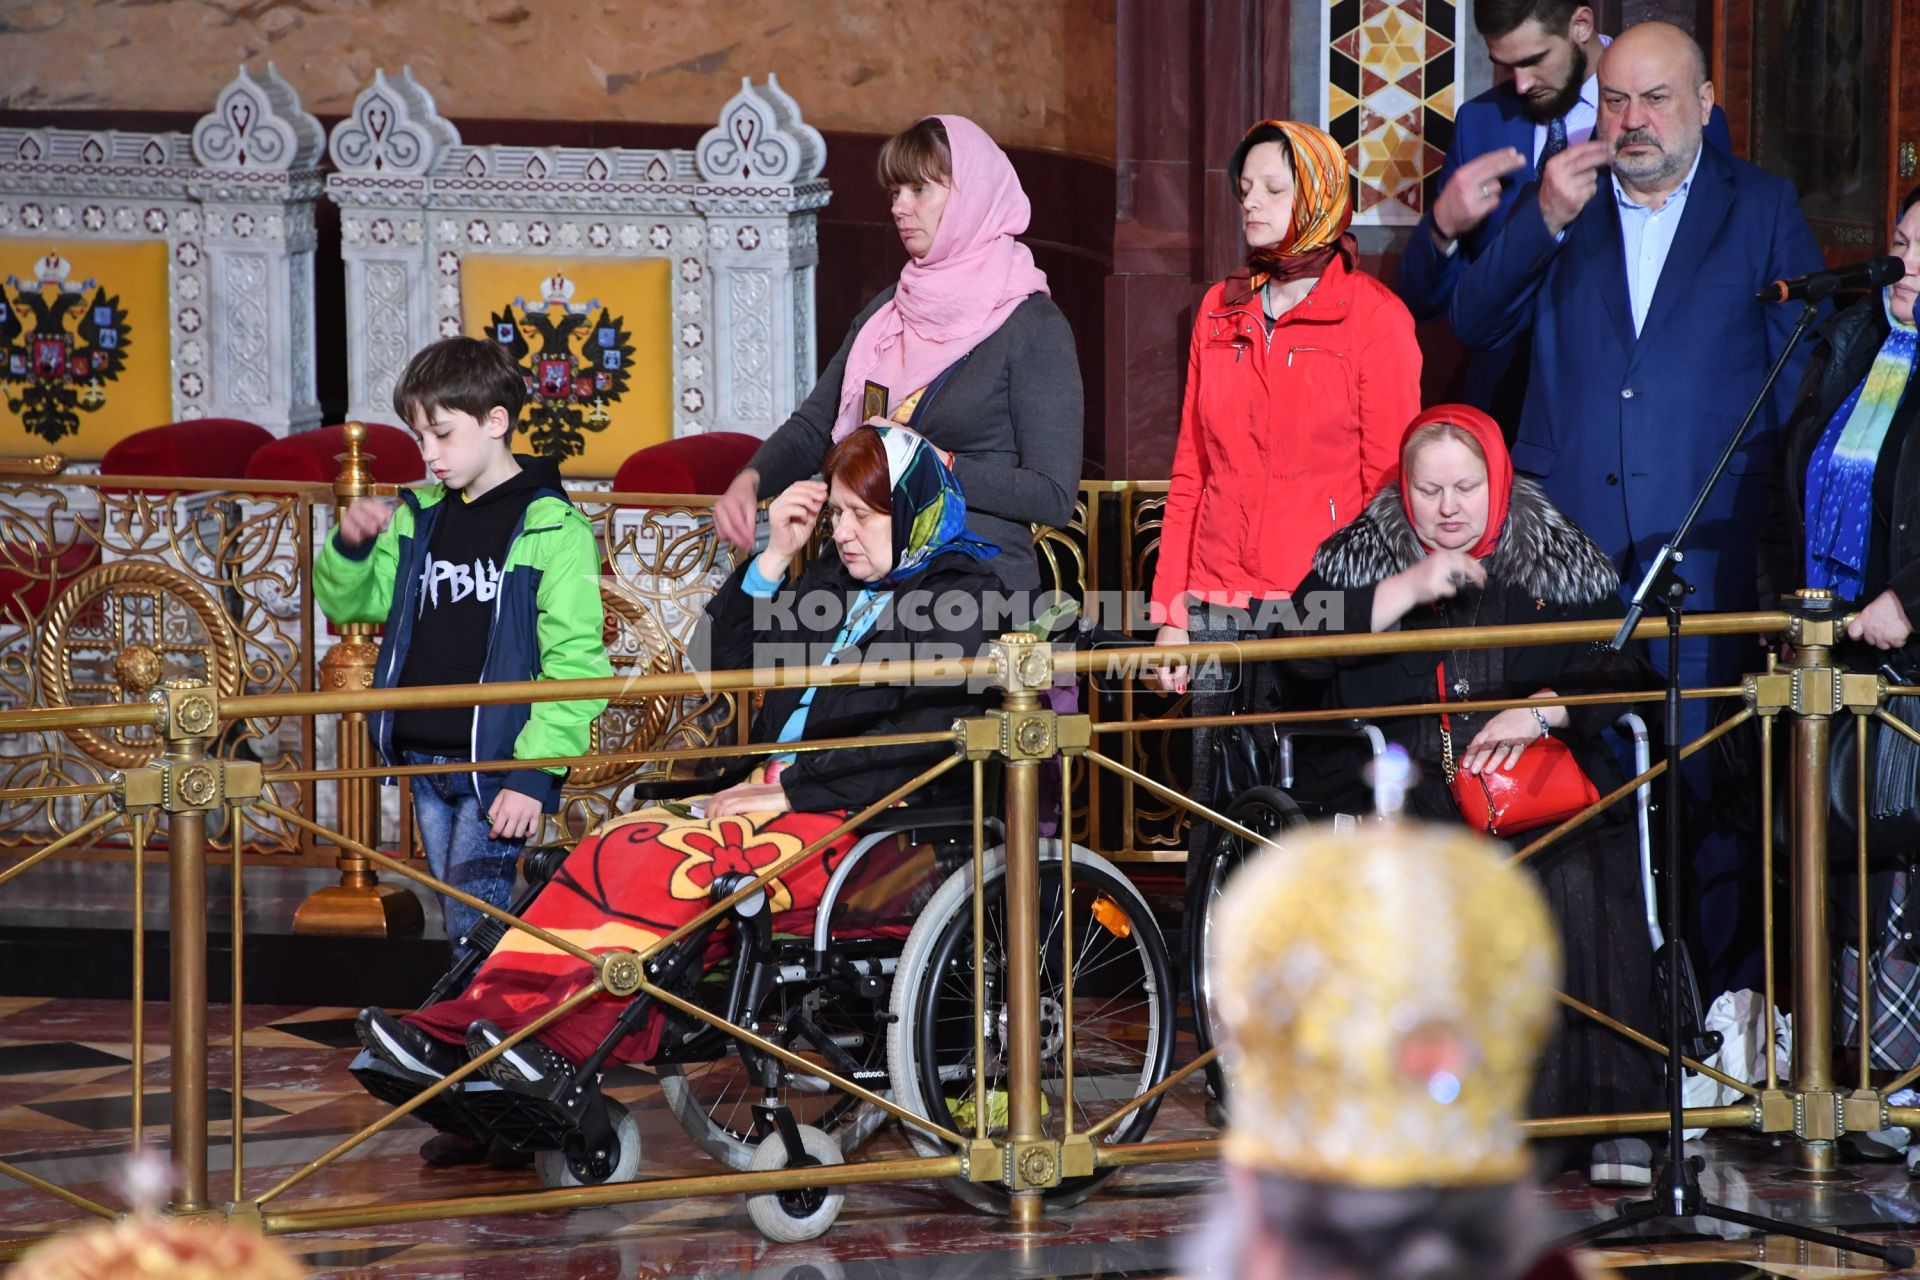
631, 882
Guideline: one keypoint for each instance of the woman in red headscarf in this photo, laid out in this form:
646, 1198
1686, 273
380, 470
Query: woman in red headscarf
1301, 373
1457, 540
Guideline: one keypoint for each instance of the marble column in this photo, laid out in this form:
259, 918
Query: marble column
1190, 79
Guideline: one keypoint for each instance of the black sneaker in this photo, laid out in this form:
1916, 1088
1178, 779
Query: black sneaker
455, 1150
451, 1150
503, 1157
529, 1062
403, 1045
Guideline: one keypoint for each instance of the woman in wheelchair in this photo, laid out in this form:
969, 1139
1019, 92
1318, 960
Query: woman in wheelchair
898, 522
1459, 541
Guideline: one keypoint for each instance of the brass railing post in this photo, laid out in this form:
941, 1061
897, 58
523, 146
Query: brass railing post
187, 785
1812, 691
1811, 727
1027, 735
359, 905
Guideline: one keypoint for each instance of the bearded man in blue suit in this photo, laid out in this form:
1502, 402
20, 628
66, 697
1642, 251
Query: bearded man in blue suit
1550, 50
1550, 100
1636, 287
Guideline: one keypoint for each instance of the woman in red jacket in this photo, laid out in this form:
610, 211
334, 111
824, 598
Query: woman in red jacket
1301, 376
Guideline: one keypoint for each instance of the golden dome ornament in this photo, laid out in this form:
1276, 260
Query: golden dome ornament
145, 1245
1386, 993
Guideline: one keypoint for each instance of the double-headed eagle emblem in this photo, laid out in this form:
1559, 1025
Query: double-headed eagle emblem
61, 342
575, 365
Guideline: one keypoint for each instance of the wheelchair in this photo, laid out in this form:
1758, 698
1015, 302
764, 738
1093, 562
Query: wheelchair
880, 991
1257, 769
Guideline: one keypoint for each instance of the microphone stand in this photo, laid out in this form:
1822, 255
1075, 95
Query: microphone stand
1676, 1188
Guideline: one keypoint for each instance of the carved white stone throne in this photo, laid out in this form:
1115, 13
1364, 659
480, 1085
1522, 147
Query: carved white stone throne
234, 204
735, 216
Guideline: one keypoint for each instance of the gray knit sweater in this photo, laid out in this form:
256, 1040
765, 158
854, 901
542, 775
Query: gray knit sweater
1012, 417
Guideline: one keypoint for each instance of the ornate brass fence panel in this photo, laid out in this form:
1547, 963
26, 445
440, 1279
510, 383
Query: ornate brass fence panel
109, 588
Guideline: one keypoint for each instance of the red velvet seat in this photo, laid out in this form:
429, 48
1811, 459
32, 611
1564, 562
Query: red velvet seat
31, 575
198, 449
313, 456
704, 463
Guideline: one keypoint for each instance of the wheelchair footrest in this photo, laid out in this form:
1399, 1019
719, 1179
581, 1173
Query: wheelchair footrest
527, 1121
450, 1112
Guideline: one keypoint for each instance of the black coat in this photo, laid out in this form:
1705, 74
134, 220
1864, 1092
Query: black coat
1848, 345
1544, 570
739, 631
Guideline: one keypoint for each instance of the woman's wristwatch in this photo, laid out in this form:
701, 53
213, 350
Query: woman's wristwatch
1546, 730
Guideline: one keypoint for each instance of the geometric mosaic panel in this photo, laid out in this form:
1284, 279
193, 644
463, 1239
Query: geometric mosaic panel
1391, 71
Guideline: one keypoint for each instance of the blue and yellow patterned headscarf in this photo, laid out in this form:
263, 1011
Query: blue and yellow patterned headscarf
929, 511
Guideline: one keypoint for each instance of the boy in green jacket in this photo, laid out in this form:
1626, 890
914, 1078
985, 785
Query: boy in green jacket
487, 574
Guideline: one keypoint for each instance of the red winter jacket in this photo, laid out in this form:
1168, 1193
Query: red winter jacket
1284, 437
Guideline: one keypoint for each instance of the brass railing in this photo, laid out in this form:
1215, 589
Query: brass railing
186, 784
110, 584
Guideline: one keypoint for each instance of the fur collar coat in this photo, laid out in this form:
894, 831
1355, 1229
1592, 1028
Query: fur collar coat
1545, 569
1542, 553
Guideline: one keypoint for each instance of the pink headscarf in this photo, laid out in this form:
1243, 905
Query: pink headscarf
972, 278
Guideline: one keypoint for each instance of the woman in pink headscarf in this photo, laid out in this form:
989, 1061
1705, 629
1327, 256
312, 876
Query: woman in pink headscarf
969, 347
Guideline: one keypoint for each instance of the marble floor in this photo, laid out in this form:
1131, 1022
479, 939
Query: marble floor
66, 1082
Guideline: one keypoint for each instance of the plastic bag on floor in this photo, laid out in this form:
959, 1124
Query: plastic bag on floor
1737, 1015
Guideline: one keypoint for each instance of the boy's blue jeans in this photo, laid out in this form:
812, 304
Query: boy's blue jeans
461, 850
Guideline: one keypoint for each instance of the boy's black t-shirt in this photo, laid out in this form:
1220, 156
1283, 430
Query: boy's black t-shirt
456, 594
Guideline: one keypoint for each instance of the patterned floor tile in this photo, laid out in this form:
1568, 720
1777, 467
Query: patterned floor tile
67, 1125
333, 1033
116, 1113
58, 1055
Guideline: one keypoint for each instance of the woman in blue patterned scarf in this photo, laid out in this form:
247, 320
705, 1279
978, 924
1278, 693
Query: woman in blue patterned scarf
1846, 519
907, 583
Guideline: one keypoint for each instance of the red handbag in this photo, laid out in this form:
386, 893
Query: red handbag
1546, 785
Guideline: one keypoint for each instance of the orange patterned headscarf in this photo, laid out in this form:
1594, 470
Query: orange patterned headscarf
1322, 208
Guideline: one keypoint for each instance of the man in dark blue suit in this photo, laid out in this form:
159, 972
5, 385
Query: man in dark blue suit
1637, 290
1551, 50
1500, 138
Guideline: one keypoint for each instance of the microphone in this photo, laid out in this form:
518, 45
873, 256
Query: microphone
1871, 274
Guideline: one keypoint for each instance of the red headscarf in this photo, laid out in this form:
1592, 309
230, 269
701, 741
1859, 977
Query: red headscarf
1486, 433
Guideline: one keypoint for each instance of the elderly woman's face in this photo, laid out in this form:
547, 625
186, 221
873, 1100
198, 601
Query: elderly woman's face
1906, 247
1266, 195
1447, 493
862, 536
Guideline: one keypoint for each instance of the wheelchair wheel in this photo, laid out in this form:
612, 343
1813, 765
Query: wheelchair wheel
714, 1100
1123, 1015
1268, 811
596, 1168
788, 1217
